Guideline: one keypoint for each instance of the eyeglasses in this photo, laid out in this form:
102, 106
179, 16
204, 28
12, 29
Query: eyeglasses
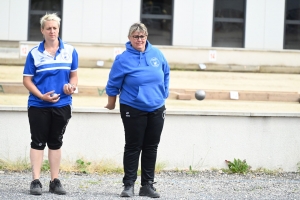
142, 37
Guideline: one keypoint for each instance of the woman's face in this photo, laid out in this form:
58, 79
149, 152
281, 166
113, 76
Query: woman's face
50, 30
138, 40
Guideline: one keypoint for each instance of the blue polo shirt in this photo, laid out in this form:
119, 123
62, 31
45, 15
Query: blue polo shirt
51, 73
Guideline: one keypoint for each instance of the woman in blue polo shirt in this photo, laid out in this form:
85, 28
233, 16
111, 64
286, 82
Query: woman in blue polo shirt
50, 75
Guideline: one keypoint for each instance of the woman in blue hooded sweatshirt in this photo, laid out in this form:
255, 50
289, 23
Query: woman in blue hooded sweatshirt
140, 76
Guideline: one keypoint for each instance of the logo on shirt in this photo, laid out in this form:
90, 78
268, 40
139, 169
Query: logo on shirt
42, 59
154, 62
65, 56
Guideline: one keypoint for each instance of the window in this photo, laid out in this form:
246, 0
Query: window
292, 24
229, 23
38, 9
157, 15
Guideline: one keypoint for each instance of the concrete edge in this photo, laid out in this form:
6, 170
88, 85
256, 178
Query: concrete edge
170, 112
179, 94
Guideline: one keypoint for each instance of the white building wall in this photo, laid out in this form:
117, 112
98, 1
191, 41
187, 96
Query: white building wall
99, 21
201, 139
274, 26
192, 23
106, 21
4, 19
14, 19
255, 24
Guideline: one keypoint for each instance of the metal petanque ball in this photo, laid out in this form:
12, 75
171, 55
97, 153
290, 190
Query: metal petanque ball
200, 95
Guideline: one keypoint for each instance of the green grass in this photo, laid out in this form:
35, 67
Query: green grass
17, 166
79, 166
238, 166
108, 167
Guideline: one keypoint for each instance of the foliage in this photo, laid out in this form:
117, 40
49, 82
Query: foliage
298, 165
46, 166
18, 165
238, 166
160, 167
267, 171
83, 166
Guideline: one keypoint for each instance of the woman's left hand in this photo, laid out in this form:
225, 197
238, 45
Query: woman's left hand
69, 89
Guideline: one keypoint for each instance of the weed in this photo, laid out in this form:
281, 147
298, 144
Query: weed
160, 167
83, 166
238, 166
19, 165
46, 166
267, 171
105, 166
298, 165
191, 171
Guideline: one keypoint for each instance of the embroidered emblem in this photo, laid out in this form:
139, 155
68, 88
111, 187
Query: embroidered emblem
65, 56
127, 114
154, 62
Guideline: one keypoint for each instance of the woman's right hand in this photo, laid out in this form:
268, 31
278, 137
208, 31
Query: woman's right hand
50, 97
110, 106
111, 102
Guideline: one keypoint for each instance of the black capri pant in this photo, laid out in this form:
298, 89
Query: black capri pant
47, 126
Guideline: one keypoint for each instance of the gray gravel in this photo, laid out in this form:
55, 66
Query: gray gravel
170, 184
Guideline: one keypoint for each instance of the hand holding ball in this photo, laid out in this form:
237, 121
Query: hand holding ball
56, 96
200, 95
69, 88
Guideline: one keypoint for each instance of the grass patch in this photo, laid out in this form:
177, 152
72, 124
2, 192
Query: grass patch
17, 166
79, 166
267, 171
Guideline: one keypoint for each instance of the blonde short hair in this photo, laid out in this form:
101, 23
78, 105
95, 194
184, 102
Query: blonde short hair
139, 27
49, 17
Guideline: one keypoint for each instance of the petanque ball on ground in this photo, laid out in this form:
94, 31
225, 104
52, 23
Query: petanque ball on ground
200, 95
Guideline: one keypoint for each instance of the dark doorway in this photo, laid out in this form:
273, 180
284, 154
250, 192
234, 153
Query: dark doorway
157, 15
37, 9
229, 23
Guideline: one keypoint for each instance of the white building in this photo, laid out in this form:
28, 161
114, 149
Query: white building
254, 27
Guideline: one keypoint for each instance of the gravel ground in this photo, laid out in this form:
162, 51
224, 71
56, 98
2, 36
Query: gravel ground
171, 185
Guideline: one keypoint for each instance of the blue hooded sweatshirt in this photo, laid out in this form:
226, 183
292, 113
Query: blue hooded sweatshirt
140, 78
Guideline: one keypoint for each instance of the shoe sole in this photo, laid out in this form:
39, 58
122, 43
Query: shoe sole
126, 195
51, 191
35, 193
145, 195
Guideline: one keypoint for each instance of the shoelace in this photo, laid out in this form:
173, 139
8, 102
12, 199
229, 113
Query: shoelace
151, 185
57, 183
126, 187
36, 184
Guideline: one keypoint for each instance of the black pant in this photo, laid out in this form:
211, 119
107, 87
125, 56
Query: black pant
142, 133
47, 126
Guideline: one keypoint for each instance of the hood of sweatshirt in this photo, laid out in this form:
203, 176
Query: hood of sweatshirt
132, 50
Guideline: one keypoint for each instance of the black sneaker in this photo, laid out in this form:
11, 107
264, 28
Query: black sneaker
36, 187
128, 191
56, 187
149, 191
